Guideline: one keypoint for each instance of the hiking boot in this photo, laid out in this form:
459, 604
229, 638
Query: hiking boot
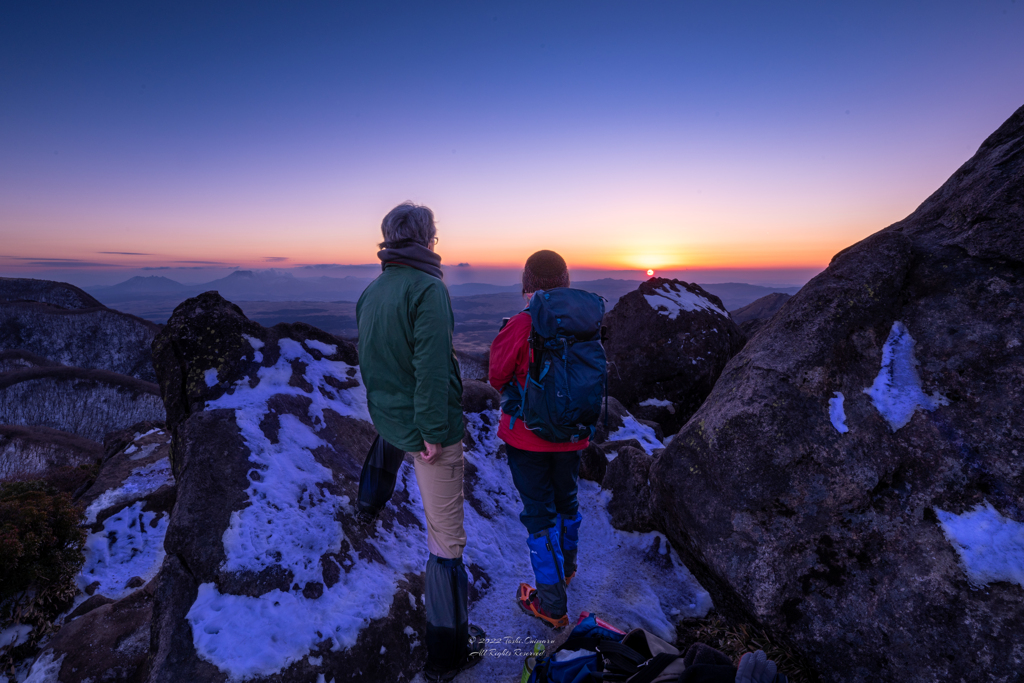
529, 602
476, 648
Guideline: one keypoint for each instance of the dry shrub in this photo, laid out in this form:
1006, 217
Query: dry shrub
40, 554
736, 639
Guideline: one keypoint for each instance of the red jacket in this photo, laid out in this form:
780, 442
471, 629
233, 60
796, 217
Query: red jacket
510, 359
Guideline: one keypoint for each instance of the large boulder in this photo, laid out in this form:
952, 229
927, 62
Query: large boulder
98, 338
854, 481
268, 573
59, 294
88, 403
667, 343
33, 452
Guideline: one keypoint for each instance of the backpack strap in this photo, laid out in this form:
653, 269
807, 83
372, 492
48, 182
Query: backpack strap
652, 668
621, 658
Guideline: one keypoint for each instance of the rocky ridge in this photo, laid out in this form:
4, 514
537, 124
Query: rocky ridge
92, 338
86, 403
59, 294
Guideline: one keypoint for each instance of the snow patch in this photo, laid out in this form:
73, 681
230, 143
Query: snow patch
670, 299
211, 377
14, 634
141, 482
990, 546
130, 544
896, 392
326, 349
657, 403
256, 345
143, 452
837, 414
632, 429
45, 669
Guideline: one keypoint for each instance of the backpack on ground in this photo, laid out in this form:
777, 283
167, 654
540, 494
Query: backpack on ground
595, 653
568, 374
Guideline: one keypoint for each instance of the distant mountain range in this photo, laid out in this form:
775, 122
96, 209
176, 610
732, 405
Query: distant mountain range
155, 297
242, 285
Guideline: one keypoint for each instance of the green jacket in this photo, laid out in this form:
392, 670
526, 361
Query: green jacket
412, 379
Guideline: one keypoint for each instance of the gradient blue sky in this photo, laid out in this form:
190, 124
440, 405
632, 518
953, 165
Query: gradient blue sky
200, 137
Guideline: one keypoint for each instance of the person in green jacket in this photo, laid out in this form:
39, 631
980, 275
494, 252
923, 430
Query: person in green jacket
414, 393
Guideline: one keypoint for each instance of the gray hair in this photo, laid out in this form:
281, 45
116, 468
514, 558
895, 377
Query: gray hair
409, 221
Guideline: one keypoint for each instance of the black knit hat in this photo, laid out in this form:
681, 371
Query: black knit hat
545, 270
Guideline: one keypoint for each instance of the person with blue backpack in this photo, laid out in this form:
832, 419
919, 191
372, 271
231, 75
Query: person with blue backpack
550, 367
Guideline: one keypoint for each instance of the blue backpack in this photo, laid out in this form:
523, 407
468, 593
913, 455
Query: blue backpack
562, 399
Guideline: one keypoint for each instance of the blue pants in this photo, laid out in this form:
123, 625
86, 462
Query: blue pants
547, 485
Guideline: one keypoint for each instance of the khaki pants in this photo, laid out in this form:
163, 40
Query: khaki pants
440, 484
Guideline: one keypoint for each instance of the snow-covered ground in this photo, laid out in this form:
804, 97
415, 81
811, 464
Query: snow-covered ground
631, 579
628, 579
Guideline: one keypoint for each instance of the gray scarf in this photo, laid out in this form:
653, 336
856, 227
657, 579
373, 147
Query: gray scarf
412, 254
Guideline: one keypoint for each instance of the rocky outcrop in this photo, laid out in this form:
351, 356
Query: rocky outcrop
628, 478
105, 635
765, 307
138, 471
478, 397
32, 452
854, 481
270, 430
96, 338
118, 637
753, 316
88, 403
667, 343
59, 294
